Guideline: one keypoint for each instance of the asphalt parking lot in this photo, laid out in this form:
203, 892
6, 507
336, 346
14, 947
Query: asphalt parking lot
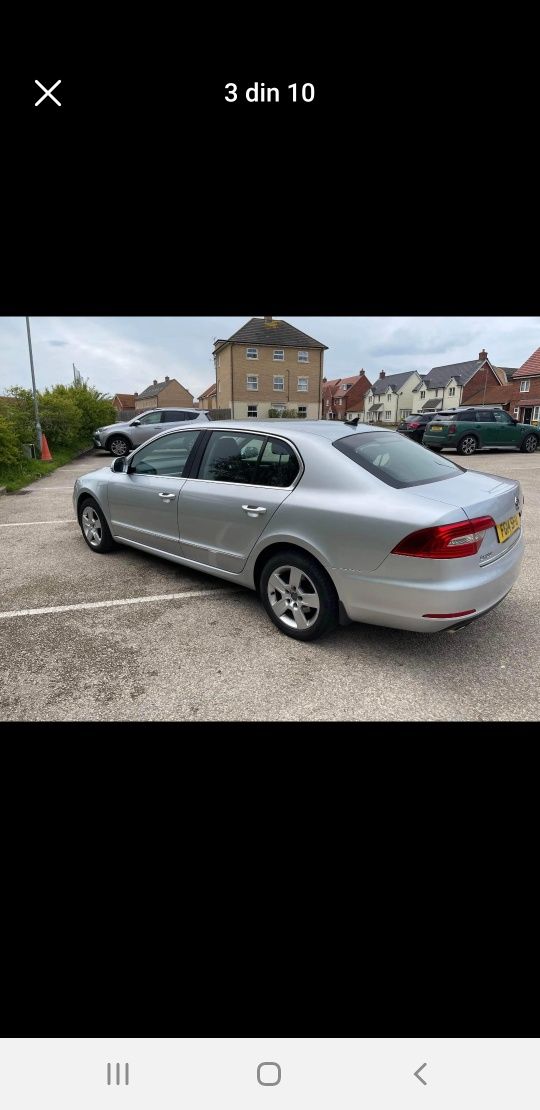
85, 637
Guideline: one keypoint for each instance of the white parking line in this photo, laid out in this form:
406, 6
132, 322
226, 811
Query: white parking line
111, 604
30, 523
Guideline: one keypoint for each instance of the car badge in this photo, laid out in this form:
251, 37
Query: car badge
516, 502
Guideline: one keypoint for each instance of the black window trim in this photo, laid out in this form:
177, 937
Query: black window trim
149, 442
196, 463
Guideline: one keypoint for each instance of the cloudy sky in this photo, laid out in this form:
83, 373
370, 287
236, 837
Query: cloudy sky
123, 354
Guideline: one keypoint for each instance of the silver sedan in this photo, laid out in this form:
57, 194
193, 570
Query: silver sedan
328, 523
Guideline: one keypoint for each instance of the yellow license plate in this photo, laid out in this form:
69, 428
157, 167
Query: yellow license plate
507, 528
436, 428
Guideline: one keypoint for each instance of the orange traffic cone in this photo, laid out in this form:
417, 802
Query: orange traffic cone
45, 453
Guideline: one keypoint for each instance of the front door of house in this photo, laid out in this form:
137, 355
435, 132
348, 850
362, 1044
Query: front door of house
526, 415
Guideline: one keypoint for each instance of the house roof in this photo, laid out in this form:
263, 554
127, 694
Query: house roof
508, 371
374, 408
127, 400
346, 384
440, 375
208, 392
531, 366
153, 390
271, 333
433, 404
392, 381
495, 395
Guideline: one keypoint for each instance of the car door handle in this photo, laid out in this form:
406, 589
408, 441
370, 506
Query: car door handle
254, 508
167, 496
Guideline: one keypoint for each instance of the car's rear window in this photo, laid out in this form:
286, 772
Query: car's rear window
396, 460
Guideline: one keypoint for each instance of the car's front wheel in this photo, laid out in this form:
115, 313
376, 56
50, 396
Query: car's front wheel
94, 527
119, 446
530, 443
298, 595
467, 445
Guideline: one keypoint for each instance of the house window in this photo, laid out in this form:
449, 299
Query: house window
279, 408
516, 412
405, 412
536, 413
302, 410
252, 381
525, 385
422, 394
278, 356
338, 402
252, 411
279, 382
387, 414
303, 356
252, 352
303, 385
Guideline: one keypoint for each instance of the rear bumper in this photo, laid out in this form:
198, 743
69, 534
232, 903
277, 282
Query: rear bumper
402, 603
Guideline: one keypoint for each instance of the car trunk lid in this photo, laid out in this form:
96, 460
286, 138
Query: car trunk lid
481, 495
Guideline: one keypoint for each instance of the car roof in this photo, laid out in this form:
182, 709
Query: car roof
325, 429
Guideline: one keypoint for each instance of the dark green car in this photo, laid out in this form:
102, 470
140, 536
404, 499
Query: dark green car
469, 429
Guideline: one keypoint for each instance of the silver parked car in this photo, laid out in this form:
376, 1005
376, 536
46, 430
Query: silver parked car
121, 438
328, 522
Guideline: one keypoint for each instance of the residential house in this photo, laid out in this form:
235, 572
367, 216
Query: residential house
447, 387
348, 396
161, 394
527, 402
391, 397
269, 364
328, 387
123, 401
207, 400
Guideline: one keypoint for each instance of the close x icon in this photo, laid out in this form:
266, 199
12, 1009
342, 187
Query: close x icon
47, 93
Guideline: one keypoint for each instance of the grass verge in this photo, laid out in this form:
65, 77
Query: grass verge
29, 470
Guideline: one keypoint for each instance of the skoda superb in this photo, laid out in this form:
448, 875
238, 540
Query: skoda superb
327, 523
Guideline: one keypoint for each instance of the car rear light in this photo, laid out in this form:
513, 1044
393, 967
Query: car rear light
447, 541
414, 425
452, 429
446, 616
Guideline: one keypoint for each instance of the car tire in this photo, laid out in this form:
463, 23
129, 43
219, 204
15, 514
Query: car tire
467, 445
303, 577
119, 446
529, 444
94, 527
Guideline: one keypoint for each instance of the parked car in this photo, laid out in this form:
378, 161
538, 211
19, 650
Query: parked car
328, 522
415, 425
469, 429
119, 439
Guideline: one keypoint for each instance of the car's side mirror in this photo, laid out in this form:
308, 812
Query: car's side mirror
135, 423
119, 465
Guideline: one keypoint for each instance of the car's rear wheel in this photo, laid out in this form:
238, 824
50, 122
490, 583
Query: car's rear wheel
94, 527
298, 595
530, 443
467, 445
119, 446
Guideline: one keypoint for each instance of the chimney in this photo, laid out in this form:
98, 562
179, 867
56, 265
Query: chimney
325, 380
268, 319
166, 377
362, 372
482, 355
155, 381
382, 374
135, 394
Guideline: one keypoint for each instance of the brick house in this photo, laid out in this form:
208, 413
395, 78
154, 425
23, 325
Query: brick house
122, 401
391, 397
161, 394
269, 364
207, 400
447, 387
328, 387
348, 396
527, 380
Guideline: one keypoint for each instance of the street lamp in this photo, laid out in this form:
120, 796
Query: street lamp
36, 409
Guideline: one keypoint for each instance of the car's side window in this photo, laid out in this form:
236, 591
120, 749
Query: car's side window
501, 417
167, 456
231, 457
468, 416
484, 416
278, 465
151, 418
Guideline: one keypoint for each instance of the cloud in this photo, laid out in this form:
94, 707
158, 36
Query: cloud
57, 342
410, 342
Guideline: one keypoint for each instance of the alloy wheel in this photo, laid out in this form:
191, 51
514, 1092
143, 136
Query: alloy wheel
531, 443
119, 447
92, 526
468, 445
293, 597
